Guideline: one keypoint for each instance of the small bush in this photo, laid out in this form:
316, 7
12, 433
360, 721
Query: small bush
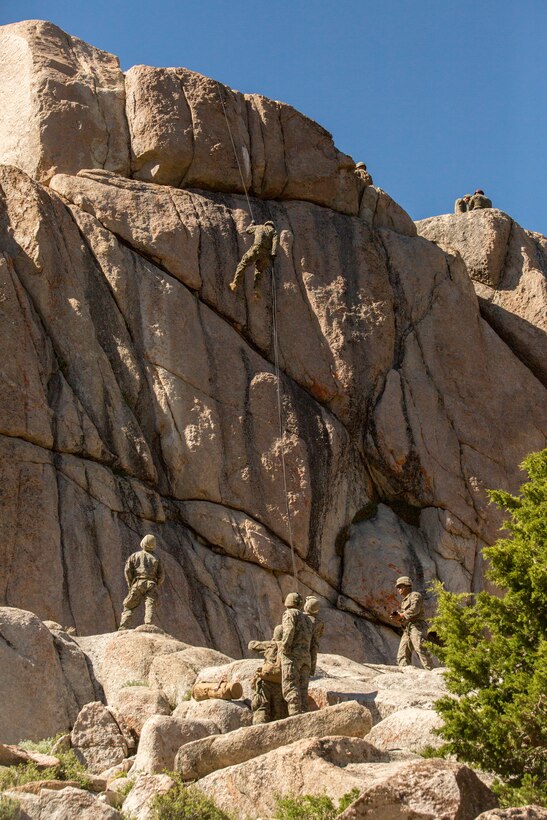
312, 807
135, 683
531, 791
9, 809
69, 768
43, 746
185, 803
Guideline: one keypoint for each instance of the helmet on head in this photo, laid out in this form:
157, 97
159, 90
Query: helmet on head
148, 543
361, 165
403, 581
278, 633
312, 605
478, 191
467, 196
293, 599
269, 222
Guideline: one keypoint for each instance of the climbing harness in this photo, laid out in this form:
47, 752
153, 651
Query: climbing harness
276, 350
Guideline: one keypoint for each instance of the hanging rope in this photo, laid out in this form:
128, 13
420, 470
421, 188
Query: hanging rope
276, 349
280, 415
234, 148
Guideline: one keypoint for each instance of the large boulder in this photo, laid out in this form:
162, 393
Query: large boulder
147, 787
204, 756
162, 737
227, 715
135, 704
411, 729
507, 265
64, 103
424, 790
175, 673
37, 700
515, 813
332, 766
64, 804
97, 739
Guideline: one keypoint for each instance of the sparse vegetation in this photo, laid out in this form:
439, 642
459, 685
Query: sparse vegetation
134, 683
185, 803
495, 649
43, 746
312, 807
9, 809
69, 768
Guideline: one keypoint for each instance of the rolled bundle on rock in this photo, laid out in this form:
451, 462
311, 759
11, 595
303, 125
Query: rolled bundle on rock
217, 689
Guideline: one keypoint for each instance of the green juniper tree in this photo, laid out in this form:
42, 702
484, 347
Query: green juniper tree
495, 649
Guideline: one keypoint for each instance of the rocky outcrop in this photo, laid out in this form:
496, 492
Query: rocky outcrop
161, 739
65, 804
201, 757
97, 739
508, 266
140, 393
65, 103
424, 790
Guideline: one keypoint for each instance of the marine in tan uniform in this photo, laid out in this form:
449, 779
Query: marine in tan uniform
261, 253
144, 575
362, 173
479, 201
460, 205
268, 703
411, 617
295, 654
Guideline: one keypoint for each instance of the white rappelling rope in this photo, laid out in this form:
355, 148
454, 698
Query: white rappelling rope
280, 415
275, 345
234, 147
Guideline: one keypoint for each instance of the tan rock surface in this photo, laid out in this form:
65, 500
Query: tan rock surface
424, 790
138, 802
32, 684
67, 804
96, 738
517, 812
162, 737
507, 265
64, 103
225, 714
135, 704
408, 729
204, 756
175, 673
15, 756
331, 765
165, 420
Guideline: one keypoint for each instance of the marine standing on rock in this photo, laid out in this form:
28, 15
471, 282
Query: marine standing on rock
362, 173
262, 252
296, 654
268, 703
479, 201
460, 205
144, 574
411, 617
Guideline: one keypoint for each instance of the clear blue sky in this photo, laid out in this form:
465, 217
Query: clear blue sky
438, 97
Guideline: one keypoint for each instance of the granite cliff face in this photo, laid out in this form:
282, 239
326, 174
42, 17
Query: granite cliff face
139, 393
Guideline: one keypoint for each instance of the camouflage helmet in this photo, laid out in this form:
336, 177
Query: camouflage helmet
293, 599
403, 581
312, 605
361, 165
148, 543
467, 196
269, 222
278, 633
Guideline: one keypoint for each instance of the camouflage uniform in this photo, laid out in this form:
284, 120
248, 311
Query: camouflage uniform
296, 657
415, 630
478, 202
363, 174
268, 703
261, 252
144, 574
311, 608
460, 205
